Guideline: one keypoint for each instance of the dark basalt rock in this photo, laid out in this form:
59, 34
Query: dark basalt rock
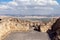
57, 36
55, 30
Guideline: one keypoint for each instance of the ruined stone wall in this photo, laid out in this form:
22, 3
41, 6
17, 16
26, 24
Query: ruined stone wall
10, 24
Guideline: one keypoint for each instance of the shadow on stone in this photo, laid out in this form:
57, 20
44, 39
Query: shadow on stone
55, 30
37, 28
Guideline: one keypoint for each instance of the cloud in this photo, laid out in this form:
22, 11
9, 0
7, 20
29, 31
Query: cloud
32, 2
3, 7
53, 2
39, 2
13, 3
8, 5
29, 7
46, 2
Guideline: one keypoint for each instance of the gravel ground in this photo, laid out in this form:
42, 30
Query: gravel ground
32, 35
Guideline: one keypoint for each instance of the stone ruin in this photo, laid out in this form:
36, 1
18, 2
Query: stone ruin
10, 24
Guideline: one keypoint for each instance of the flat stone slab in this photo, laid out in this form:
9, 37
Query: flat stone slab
27, 36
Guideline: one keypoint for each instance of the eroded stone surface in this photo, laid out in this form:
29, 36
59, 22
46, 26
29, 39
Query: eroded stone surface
28, 36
